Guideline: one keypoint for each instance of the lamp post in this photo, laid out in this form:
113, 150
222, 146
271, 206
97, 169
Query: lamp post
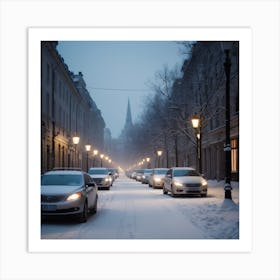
88, 147
101, 157
95, 153
76, 140
227, 146
196, 123
148, 162
159, 153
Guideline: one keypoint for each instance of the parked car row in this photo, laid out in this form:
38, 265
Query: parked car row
73, 192
176, 180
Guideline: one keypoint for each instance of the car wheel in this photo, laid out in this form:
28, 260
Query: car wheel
164, 190
84, 215
203, 194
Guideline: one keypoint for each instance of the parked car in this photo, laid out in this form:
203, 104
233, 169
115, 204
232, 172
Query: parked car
114, 172
139, 174
184, 180
156, 177
67, 192
146, 176
102, 177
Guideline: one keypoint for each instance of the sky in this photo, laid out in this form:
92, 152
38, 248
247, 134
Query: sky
115, 71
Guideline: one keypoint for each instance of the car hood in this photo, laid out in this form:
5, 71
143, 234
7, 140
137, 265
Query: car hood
58, 190
159, 176
189, 180
98, 176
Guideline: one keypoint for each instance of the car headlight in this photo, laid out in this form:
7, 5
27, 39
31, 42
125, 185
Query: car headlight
178, 184
204, 183
74, 196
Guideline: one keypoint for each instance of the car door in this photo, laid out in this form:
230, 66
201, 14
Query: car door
167, 179
89, 191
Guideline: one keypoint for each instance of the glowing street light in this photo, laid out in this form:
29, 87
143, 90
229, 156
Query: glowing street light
76, 140
101, 157
196, 123
159, 154
95, 153
88, 147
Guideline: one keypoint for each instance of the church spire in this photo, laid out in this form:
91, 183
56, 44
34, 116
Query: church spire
128, 120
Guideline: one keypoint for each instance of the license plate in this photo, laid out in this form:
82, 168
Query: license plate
49, 207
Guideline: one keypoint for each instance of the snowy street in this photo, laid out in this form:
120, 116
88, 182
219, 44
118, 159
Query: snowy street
131, 210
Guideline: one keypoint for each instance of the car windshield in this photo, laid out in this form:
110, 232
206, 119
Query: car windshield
61, 180
185, 172
160, 171
98, 171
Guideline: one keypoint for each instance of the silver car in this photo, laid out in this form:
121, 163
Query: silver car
68, 192
156, 177
102, 177
184, 180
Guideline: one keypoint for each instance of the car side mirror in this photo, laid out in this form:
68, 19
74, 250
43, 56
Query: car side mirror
91, 184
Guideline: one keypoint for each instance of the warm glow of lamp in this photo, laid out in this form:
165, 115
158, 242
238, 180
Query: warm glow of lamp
195, 121
102, 156
88, 147
159, 153
147, 159
76, 139
95, 152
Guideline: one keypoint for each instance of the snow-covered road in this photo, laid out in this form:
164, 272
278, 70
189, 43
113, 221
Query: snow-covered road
131, 210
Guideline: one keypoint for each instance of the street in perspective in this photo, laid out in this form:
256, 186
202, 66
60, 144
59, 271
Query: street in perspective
140, 140
132, 210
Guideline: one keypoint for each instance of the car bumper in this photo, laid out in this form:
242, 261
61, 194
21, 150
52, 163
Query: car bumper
158, 184
62, 208
104, 185
190, 191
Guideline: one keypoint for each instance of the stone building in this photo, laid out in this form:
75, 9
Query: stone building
66, 110
203, 87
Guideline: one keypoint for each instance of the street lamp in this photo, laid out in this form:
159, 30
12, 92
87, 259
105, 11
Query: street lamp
88, 147
76, 140
226, 46
95, 153
196, 123
159, 153
148, 162
101, 157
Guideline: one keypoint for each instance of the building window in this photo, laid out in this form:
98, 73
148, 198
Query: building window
234, 155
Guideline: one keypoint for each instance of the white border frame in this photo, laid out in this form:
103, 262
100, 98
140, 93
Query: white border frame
36, 35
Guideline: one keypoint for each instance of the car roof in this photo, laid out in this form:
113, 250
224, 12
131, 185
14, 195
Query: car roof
64, 171
99, 168
185, 168
161, 168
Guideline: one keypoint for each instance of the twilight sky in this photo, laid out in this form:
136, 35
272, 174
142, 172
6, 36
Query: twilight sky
117, 70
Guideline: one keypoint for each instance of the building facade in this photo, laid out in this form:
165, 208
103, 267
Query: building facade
204, 87
67, 110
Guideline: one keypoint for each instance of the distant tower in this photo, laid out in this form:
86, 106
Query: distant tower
128, 120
